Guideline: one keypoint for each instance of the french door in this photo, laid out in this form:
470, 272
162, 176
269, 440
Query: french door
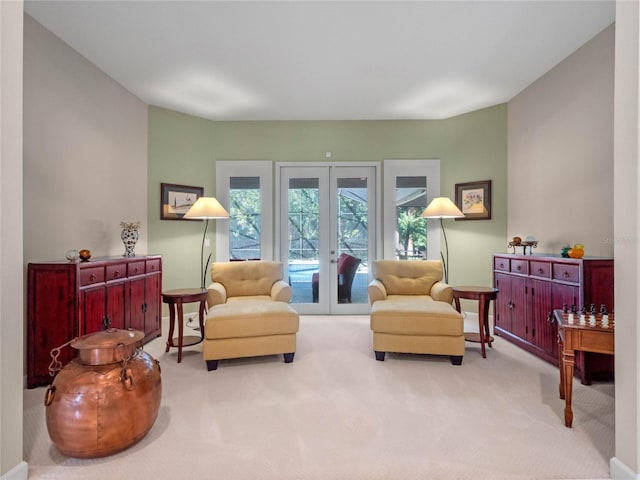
327, 235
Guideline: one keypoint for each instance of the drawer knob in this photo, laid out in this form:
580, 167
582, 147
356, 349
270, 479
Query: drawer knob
540, 270
117, 274
565, 274
502, 265
92, 277
518, 268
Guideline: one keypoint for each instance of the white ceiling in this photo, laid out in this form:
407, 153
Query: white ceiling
321, 60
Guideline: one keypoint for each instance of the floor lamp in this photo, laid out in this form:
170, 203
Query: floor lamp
205, 208
442, 207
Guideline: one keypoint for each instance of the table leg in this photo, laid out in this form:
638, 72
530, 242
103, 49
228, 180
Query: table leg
201, 319
560, 351
457, 300
568, 361
172, 322
180, 331
483, 310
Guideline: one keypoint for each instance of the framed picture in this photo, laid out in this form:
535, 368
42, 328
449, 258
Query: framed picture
474, 200
175, 200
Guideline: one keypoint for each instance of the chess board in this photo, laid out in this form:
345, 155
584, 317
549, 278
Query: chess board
589, 320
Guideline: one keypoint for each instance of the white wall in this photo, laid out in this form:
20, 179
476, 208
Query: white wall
11, 269
85, 153
561, 153
626, 464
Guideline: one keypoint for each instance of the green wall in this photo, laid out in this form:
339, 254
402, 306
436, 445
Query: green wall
183, 150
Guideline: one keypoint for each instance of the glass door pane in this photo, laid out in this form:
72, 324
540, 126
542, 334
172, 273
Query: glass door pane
352, 239
303, 238
244, 218
411, 228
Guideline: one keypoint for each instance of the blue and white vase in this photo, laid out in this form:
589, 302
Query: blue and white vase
129, 236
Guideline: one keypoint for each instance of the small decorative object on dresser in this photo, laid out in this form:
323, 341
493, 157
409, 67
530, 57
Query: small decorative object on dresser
530, 242
72, 255
84, 254
130, 237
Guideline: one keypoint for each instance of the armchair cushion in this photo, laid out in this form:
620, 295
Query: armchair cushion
405, 315
235, 281
247, 278
408, 277
251, 319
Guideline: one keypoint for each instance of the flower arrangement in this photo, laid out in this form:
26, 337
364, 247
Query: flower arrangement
130, 226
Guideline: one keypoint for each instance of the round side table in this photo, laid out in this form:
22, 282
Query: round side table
484, 295
175, 299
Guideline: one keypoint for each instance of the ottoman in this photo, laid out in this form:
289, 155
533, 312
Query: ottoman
415, 324
248, 329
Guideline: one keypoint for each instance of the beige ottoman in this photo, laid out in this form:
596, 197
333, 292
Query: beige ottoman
249, 328
417, 324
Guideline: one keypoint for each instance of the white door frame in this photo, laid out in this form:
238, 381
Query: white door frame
374, 240
407, 168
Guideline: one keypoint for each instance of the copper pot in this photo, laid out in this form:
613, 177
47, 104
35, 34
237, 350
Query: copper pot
107, 398
108, 346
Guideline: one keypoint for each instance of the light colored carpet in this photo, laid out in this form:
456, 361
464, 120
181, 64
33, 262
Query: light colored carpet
336, 413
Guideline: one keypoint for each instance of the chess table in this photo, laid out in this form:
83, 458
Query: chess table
576, 335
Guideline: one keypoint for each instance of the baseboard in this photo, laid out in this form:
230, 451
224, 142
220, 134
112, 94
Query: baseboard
619, 471
19, 472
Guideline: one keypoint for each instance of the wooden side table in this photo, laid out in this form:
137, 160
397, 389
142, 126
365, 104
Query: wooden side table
175, 299
484, 295
574, 336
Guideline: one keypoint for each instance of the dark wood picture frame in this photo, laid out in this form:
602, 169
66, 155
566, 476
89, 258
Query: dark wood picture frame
175, 200
474, 200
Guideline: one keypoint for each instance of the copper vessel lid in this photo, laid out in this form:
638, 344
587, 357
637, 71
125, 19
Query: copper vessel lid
110, 338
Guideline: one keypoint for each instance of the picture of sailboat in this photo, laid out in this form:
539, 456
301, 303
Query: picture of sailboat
180, 202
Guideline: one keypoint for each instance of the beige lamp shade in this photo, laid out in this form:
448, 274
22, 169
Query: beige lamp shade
206, 208
442, 207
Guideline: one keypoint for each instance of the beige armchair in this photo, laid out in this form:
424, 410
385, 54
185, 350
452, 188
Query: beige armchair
249, 313
411, 310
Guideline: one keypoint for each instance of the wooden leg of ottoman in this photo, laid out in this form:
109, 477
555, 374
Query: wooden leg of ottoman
288, 357
380, 356
456, 359
212, 365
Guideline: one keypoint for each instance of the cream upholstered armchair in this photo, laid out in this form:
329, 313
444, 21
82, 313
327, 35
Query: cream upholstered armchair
411, 310
249, 313
250, 280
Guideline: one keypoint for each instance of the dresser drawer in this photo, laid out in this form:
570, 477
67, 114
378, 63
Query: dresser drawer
153, 265
501, 263
540, 269
114, 272
520, 266
135, 268
566, 273
89, 276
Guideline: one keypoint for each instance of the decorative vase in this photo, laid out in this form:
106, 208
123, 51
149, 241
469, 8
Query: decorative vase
129, 237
